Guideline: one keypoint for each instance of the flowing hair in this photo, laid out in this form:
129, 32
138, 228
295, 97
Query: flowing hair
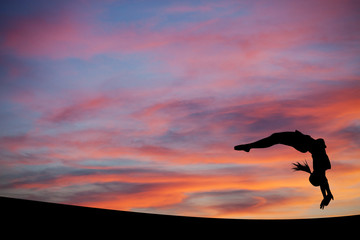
302, 167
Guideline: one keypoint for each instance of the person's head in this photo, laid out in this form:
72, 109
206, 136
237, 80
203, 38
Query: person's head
315, 179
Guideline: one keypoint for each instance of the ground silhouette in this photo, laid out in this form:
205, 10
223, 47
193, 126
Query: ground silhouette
47, 220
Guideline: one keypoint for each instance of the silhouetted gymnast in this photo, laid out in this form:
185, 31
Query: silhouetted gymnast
302, 143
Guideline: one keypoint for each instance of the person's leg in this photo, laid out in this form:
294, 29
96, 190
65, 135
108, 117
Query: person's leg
263, 143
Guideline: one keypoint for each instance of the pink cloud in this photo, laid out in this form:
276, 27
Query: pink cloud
67, 36
162, 130
76, 111
39, 37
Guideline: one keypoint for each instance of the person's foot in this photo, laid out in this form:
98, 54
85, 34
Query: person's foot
245, 148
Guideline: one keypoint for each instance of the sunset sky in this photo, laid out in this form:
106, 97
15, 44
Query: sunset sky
137, 105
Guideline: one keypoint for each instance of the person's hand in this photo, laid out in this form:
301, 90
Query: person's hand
326, 201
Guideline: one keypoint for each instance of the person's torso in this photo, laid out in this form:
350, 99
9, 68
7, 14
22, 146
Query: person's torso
321, 161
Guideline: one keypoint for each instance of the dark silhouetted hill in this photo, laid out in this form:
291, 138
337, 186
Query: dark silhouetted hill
34, 218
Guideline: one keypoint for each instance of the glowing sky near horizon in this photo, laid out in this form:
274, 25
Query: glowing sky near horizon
136, 105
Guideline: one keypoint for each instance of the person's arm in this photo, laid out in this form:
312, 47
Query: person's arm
325, 190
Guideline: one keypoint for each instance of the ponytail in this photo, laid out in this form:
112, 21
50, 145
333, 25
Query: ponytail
302, 167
